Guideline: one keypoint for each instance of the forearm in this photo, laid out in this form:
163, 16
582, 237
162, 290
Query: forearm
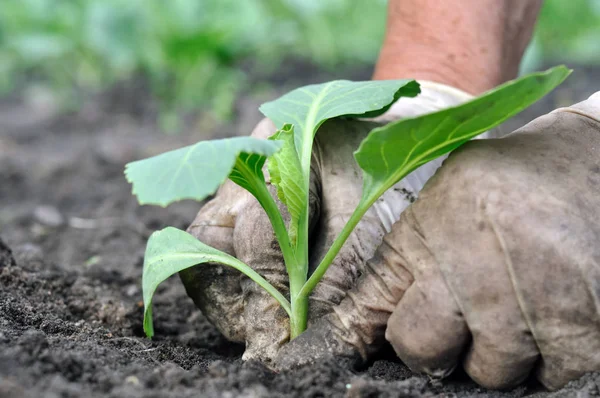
473, 45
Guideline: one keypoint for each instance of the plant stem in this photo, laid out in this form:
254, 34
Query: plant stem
298, 277
299, 317
268, 203
299, 304
334, 249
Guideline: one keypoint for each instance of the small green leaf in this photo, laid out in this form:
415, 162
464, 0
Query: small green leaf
171, 250
286, 175
309, 106
390, 152
247, 171
197, 171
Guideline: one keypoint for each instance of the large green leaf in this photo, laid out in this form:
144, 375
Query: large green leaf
196, 171
171, 250
309, 106
390, 152
286, 175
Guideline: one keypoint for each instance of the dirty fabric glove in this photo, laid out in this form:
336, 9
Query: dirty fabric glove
235, 223
496, 266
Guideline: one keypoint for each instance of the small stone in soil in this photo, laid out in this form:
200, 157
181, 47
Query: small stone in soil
48, 216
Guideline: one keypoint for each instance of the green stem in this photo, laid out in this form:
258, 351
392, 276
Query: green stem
334, 249
299, 316
268, 203
297, 276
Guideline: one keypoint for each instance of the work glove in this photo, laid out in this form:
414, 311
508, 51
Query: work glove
496, 266
235, 223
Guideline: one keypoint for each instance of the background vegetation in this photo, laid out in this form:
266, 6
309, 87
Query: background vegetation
200, 53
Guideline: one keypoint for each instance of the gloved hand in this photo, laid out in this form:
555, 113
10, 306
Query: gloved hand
235, 223
495, 266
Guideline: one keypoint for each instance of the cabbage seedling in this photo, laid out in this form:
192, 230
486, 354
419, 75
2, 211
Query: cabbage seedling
386, 156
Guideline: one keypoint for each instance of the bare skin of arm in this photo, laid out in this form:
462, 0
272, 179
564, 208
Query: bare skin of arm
472, 45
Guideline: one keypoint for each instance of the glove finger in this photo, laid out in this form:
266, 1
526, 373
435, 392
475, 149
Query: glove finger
569, 333
561, 307
502, 352
426, 329
215, 288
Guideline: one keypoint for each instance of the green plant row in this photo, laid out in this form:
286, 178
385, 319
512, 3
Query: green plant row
190, 51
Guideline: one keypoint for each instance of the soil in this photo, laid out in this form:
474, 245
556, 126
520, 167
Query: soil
70, 296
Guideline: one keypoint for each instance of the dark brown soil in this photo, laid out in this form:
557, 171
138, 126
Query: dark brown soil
70, 302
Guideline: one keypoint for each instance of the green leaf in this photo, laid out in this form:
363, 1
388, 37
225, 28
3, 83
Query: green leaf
286, 175
309, 106
197, 171
390, 152
247, 171
171, 250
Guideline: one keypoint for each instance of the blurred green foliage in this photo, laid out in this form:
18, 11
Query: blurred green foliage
190, 51
570, 30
